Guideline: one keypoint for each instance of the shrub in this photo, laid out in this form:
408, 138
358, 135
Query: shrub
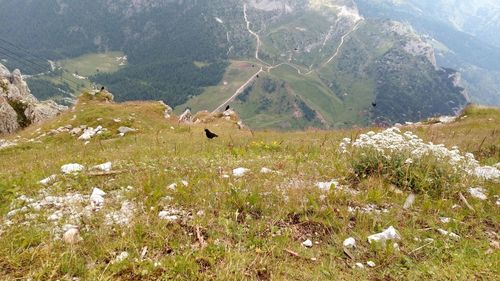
407, 162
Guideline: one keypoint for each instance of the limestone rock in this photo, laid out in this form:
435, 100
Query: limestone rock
18, 107
23, 92
8, 117
186, 117
4, 72
167, 113
39, 112
105, 95
72, 236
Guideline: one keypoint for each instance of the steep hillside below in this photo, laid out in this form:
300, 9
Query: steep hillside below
335, 67
465, 34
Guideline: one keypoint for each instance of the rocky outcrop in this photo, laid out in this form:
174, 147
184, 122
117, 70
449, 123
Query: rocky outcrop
38, 112
186, 117
8, 117
167, 110
18, 107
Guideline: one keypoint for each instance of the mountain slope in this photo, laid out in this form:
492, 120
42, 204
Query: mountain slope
181, 52
465, 33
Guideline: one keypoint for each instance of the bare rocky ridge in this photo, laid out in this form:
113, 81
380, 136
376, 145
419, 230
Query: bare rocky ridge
18, 107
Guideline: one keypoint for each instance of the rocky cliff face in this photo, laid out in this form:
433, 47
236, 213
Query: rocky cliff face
18, 107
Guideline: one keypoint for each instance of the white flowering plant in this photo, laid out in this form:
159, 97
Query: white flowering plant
408, 162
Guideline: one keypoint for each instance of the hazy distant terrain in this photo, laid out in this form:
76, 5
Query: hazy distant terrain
324, 63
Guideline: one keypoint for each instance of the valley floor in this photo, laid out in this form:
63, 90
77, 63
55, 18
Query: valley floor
248, 205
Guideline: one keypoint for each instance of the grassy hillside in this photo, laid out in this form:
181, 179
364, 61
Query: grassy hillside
240, 228
72, 75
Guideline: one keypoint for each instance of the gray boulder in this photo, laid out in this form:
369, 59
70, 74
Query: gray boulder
17, 104
8, 117
39, 112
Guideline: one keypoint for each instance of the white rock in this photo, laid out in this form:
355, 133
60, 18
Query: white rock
478, 193
265, 170
97, 199
121, 257
106, 167
72, 236
449, 234
164, 215
409, 201
349, 243
370, 263
447, 119
325, 186
389, 234
72, 168
445, 220
57, 215
185, 183
122, 217
308, 243
125, 130
359, 265
239, 172
48, 180
90, 132
172, 186
144, 252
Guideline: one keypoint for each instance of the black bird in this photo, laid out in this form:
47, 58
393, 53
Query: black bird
257, 76
227, 107
210, 135
102, 88
374, 104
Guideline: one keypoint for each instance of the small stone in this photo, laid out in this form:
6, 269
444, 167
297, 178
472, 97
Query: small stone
173, 186
370, 264
360, 265
308, 243
452, 235
325, 186
239, 172
121, 257
445, 220
165, 215
72, 236
185, 183
125, 130
57, 215
409, 201
97, 199
265, 170
48, 180
106, 167
478, 193
388, 234
349, 243
72, 168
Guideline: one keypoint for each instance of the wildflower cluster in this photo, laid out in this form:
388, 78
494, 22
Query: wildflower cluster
409, 162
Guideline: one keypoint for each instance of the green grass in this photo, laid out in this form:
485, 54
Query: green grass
86, 66
237, 73
248, 223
